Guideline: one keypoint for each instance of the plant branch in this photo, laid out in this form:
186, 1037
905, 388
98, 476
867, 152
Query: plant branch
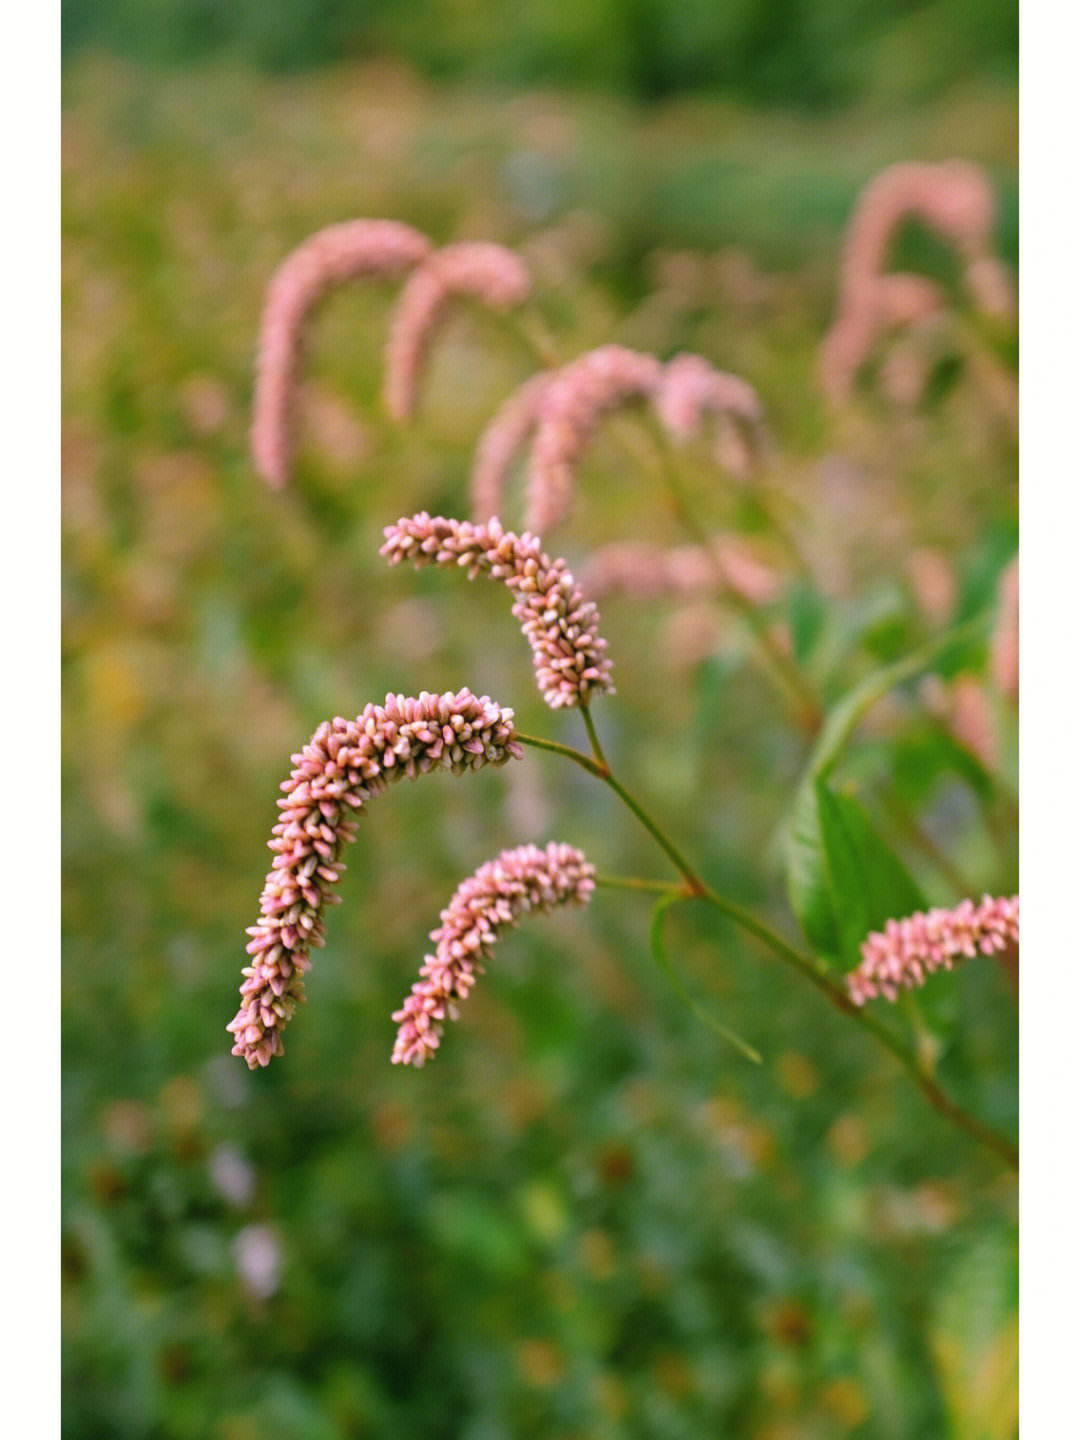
812, 969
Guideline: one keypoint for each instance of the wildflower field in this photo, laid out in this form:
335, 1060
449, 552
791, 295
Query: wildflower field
591, 1213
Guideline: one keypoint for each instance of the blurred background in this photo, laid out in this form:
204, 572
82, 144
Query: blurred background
586, 1217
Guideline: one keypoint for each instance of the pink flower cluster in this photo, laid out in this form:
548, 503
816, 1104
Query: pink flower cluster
503, 439
570, 408
953, 198
489, 272
1005, 641
559, 411
909, 950
343, 764
637, 568
502, 890
690, 388
330, 257
559, 623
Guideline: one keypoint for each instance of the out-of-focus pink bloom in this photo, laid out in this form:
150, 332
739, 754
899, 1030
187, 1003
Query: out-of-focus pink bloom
637, 568
559, 623
956, 201
991, 286
232, 1175
343, 764
933, 579
381, 248
907, 951
1005, 642
691, 389
490, 273
505, 437
571, 408
971, 718
498, 894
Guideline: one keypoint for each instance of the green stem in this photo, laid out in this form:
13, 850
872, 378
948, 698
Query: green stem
594, 739
632, 882
838, 996
695, 885
812, 969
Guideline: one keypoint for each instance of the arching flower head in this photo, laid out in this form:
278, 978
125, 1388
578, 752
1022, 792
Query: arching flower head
571, 408
907, 951
558, 622
498, 894
332, 256
343, 764
490, 273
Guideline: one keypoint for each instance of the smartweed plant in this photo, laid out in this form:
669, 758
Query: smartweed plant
870, 938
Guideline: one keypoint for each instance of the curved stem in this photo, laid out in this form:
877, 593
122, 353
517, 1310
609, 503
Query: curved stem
695, 884
838, 996
836, 993
812, 969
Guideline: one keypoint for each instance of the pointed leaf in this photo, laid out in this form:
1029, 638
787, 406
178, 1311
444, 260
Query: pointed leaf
807, 878
868, 883
803, 844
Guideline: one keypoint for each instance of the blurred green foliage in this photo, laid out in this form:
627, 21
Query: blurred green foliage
787, 52
589, 1216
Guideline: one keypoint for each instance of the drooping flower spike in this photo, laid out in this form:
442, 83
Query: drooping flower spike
691, 389
954, 198
499, 445
498, 894
379, 248
343, 764
682, 572
559, 623
908, 950
570, 409
490, 273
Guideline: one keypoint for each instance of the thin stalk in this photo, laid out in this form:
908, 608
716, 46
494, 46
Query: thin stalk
837, 995
812, 969
633, 882
594, 739
696, 886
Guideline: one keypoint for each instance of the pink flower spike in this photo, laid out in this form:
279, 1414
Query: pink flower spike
558, 622
502, 441
690, 389
686, 571
330, 257
490, 273
908, 950
1005, 641
954, 199
347, 761
496, 895
571, 408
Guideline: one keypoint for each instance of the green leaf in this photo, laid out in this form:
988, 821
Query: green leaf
803, 843
656, 945
807, 879
919, 760
867, 883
